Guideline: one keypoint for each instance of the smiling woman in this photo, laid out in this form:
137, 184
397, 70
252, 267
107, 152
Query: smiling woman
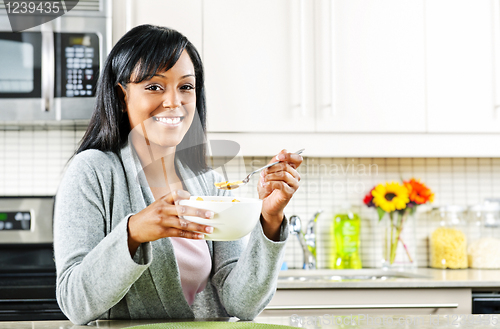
169, 98
123, 249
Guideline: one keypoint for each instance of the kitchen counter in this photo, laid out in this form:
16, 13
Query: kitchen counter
324, 321
418, 278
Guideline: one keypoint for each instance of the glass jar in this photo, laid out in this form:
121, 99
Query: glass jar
448, 243
482, 251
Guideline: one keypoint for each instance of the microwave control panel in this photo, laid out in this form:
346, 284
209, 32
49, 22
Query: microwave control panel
79, 64
15, 221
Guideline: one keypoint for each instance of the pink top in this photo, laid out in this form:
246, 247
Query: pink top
195, 264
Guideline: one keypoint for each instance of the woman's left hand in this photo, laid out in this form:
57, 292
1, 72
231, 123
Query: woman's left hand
276, 187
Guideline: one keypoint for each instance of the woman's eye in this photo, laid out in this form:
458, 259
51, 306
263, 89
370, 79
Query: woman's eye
187, 87
153, 88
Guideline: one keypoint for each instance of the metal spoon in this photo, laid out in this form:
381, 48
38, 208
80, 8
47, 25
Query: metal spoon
235, 185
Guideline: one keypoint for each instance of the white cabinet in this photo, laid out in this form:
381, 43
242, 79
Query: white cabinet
259, 65
462, 65
315, 66
373, 53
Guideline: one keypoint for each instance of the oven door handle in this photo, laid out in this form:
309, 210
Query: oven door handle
48, 69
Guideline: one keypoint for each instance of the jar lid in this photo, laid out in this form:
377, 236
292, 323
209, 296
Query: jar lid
452, 209
492, 200
453, 215
485, 207
491, 206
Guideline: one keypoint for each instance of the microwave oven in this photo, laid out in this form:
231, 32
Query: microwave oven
50, 72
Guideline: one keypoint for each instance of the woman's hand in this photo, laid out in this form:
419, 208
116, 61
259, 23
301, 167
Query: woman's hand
161, 219
276, 187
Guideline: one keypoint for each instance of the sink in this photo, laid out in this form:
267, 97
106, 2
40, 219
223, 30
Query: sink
346, 275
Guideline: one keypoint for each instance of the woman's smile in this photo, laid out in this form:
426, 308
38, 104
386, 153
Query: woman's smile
169, 121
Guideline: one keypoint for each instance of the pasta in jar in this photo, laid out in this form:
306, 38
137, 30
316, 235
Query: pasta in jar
448, 248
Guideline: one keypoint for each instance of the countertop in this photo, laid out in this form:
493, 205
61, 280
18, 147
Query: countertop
417, 278
326, 321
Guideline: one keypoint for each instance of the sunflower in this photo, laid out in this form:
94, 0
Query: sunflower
390, 196
418, 192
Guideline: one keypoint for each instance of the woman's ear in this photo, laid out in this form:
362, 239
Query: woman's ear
122, 95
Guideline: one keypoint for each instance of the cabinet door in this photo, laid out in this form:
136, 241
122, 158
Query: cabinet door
371, 66
460, 68
259, 66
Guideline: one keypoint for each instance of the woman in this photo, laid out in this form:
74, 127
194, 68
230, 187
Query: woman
122, 249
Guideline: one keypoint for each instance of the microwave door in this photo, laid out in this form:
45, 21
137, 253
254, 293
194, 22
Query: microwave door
21, 81
77, 72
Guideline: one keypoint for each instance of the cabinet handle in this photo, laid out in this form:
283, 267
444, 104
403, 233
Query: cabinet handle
128, 15
496, 54
302, 43
48, 62
332, 57
363, 306
325, 47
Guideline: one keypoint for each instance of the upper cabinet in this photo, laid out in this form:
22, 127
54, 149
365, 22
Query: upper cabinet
259, 65
424, 73
462, 52
315, 66
370, 74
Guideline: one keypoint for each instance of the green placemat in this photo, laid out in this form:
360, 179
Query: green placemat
210, 325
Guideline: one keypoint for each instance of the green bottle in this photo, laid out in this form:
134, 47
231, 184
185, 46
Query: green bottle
345, 230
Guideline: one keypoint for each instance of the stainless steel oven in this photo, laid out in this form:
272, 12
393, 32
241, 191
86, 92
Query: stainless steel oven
50, 72
486, 302
27, 268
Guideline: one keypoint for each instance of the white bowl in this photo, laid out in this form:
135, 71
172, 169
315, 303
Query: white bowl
232, 220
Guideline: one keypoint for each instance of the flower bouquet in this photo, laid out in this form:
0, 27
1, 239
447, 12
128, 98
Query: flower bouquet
398, 202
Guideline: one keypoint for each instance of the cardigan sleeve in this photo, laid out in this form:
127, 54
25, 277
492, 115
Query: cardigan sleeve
245, 277
94, 267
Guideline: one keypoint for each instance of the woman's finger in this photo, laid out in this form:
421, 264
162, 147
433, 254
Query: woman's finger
185, 225
174, 196
283, 176
276, 157
278, 185
170, 206
175, 232
277, 167
293, 159
281, 167
182, 210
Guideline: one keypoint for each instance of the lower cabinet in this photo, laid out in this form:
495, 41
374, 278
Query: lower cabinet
316, 302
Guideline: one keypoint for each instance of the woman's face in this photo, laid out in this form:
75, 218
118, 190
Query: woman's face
165, 104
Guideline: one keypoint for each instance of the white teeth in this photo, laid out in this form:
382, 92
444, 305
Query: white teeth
171, 121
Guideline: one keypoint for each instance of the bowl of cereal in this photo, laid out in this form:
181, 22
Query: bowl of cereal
234, 217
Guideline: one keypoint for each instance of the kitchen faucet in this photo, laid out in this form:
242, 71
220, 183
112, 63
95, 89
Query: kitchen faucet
308, 240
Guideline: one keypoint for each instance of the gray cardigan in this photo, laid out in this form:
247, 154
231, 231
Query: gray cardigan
97, 278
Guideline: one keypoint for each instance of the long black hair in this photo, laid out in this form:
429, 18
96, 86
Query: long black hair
143, 50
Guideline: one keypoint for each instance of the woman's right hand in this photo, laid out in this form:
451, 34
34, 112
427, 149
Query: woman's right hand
161, 219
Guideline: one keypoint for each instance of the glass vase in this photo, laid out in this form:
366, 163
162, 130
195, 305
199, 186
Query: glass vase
399, 240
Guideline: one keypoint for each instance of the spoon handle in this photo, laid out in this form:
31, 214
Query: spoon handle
272, 164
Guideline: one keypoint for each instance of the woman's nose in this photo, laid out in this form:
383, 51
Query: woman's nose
172, 100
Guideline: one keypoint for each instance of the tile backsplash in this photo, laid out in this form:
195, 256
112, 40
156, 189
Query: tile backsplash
32, 161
